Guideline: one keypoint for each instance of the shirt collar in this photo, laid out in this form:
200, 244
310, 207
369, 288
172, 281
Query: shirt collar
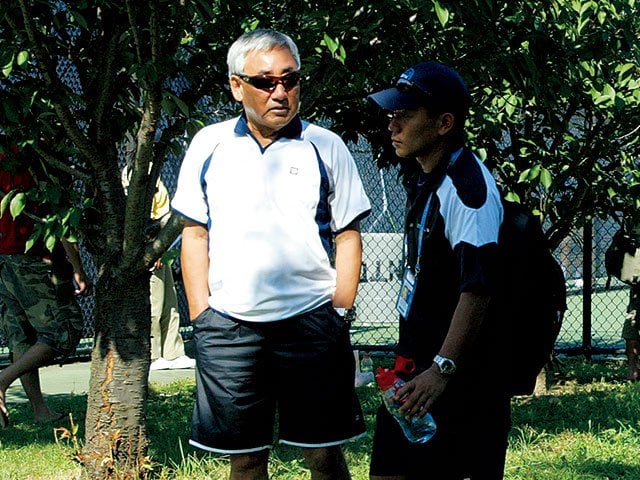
291, 130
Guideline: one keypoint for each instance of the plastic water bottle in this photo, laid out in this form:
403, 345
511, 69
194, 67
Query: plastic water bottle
417, 429
366, 364
364, 371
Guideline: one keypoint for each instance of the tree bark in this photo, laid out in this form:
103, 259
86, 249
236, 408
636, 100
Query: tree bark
116, 435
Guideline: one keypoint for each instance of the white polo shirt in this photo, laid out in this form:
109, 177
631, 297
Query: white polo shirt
271, 214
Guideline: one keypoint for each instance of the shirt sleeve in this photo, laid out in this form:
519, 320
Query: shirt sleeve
348, 199
190, 199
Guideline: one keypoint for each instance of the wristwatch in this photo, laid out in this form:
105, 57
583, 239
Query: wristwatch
446, 365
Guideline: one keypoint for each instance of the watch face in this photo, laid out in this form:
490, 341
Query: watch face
446, 365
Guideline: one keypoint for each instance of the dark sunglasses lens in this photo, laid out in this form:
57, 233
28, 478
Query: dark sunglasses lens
290, 80
269, 83
264, 83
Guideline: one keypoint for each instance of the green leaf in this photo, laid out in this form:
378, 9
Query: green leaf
442, 13
545, 178
535, 171
512, 197
625, 72
29, 243
168, 106
9, 109
79, 19
342, 54
524, 176
609, 91
5, 201
23, 57
182, 106
50, 242
8, 67
17, 204
331, 44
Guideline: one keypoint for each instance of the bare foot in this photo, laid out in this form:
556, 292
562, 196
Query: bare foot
48, 416
4, 413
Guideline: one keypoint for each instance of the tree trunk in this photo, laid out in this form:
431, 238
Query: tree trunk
116, 435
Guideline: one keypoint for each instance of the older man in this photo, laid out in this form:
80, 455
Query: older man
270, 250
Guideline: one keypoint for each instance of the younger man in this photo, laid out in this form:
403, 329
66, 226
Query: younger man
446, 321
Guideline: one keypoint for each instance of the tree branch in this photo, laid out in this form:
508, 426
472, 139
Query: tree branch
75, 170
45, 67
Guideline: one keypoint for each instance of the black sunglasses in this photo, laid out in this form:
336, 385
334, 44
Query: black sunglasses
268, 83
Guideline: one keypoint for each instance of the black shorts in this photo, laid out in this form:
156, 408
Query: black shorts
471, 440
303, 365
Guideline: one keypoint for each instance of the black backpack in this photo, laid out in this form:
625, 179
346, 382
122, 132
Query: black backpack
533, 298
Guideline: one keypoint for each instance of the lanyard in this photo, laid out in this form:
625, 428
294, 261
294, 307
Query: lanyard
424, 227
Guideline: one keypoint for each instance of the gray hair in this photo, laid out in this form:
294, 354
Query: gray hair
261, 40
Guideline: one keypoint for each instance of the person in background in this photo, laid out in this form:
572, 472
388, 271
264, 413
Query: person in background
269, 200
39, 316
631, 334
631, 326
447, 325
167, 345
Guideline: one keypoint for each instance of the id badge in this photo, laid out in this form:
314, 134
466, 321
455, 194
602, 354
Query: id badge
405, 296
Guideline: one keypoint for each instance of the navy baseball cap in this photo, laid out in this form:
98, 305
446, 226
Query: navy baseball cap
427, 83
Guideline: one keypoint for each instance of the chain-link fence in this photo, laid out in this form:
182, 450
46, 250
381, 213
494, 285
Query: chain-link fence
592, 322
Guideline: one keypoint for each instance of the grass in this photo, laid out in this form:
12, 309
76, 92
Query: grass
587, 427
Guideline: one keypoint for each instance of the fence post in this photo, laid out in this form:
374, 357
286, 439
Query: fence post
587, 286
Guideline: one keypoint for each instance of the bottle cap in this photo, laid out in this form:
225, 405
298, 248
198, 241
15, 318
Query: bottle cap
404, 365
385, 378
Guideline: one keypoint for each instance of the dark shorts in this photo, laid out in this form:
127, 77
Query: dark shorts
36, 307
302, 367
471, 441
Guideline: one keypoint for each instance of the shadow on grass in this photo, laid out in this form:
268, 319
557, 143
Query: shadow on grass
169, 424
576, 469
23, 432
608, 470
584, 397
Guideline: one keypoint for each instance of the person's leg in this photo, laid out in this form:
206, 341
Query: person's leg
172, 343
43, 321
390, 452
631, 334
633, 349
28, 362
166, 340
489, 437
249, 466
234, 411
42, 413
157, 300
317, 404
326, 463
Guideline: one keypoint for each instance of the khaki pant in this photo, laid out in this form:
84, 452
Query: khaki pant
166, 341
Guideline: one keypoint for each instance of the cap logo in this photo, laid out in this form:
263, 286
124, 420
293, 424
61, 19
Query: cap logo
408, 74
